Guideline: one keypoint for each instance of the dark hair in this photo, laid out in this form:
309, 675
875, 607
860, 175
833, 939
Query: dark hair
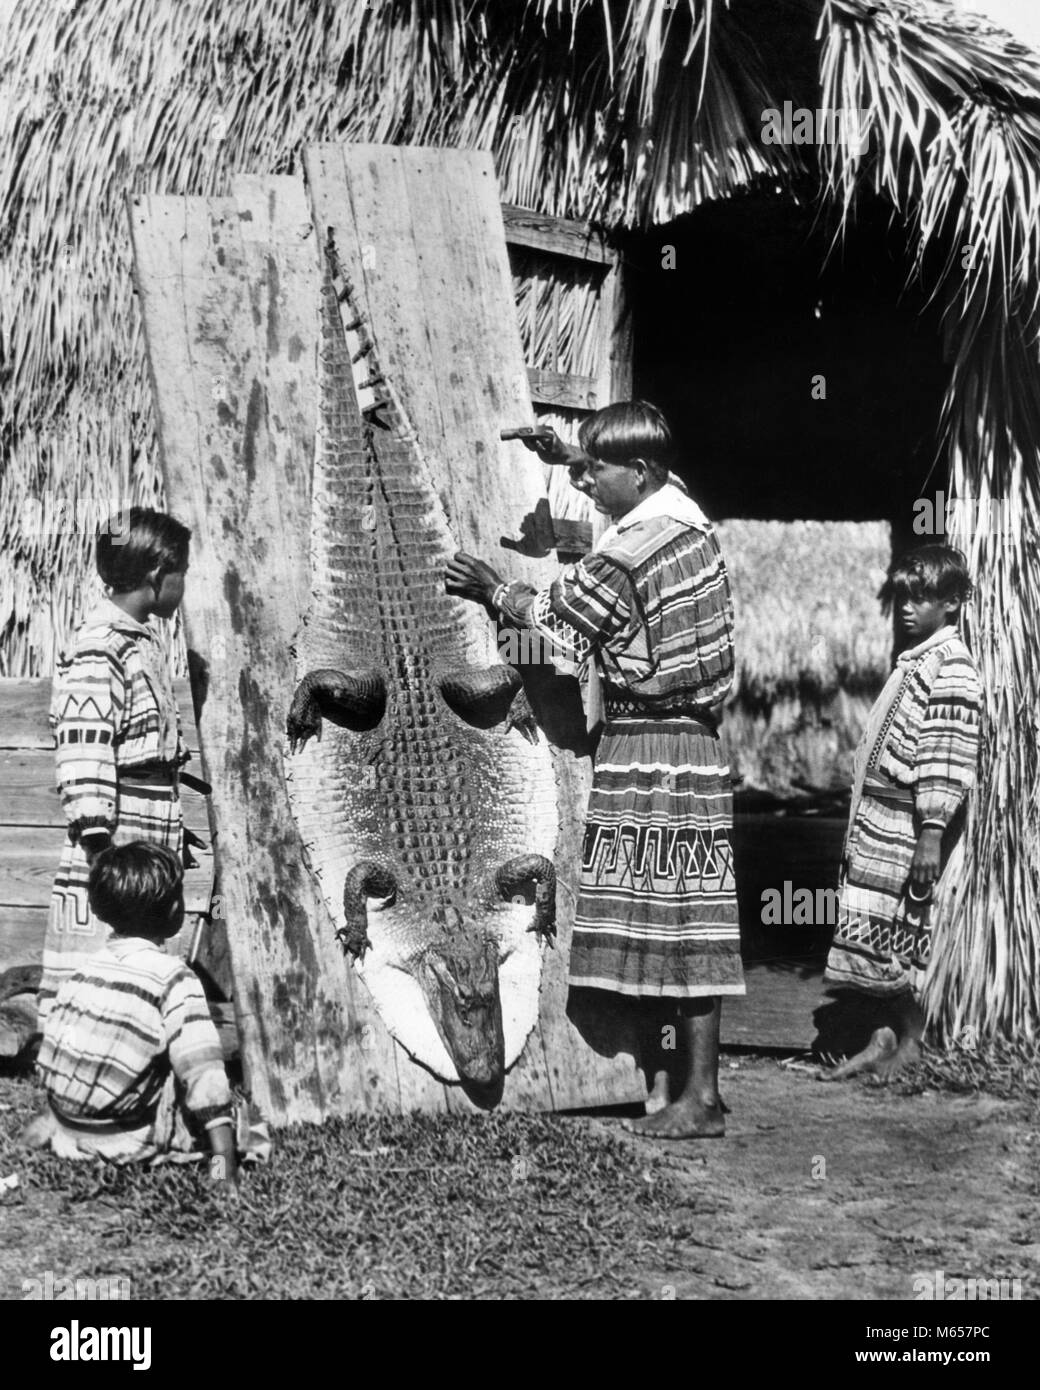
134, 887
936, 572
628, 430
131, 544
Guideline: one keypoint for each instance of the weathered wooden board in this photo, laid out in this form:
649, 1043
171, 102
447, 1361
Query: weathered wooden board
560, 236
29, 855
420, 234
776, 1012
22, 931
233, 367
33, 824
24, 705
565, 390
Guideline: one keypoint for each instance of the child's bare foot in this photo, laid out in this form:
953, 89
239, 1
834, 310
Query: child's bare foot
37, 1133
907, 1052
657, 1098
879, 1054
685, 1118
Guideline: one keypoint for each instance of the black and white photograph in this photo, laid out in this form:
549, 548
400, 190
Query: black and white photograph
519, 666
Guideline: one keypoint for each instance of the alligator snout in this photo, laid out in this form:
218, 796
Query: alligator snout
461, 986
458, 970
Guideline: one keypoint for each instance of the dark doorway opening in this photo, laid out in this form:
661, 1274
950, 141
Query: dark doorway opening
732, 339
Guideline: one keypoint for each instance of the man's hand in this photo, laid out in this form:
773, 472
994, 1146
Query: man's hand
471, 578
550, 448
924, 869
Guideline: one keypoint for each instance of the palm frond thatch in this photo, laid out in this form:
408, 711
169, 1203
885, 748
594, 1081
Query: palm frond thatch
629, 111
954, 144
813, 649
105, 97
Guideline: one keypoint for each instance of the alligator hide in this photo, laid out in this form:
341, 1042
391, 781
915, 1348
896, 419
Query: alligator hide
430, 825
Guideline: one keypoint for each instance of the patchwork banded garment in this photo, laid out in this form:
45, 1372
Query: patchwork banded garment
650, 606
112, 710
914, 767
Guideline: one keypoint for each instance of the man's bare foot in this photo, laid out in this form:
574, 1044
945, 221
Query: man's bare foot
657, 1098
875, 1059
683, 1119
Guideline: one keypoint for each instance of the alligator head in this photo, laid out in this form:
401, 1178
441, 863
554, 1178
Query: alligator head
456, 965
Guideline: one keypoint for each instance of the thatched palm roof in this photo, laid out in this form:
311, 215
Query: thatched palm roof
625, 110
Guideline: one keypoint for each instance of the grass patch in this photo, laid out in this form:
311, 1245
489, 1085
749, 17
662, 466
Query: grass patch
1006, 1070
503, 1206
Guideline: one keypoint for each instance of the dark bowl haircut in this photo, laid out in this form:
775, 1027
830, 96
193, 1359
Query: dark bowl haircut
134, 886
625, 431
136, 542
938, 573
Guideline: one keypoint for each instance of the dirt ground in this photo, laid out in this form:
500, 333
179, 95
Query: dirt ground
905, 1185
818, 1192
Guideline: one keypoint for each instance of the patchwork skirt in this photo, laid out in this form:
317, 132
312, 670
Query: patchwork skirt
74, 934
883, 939
657, 908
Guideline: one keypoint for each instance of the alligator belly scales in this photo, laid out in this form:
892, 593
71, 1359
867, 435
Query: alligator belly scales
429, 823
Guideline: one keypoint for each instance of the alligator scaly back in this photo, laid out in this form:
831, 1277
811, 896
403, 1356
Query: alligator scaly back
430, 830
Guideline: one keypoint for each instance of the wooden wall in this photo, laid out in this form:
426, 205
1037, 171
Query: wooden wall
32, 831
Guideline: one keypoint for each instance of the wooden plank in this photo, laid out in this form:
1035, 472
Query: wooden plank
381, 250
560, 236
24, 705
22, 930
217, 360
279, 260
427, 232
564, 390
777, 1010
616, 334
29, 855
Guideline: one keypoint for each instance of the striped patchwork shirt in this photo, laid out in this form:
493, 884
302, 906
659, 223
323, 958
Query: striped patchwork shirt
112, 707
650, 604
929, 740
118, 1026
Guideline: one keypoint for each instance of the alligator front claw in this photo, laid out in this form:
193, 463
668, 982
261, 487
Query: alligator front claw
355, 701
486, 695
521, 717
303, 720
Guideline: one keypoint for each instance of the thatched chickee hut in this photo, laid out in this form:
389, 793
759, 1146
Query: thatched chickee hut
838, 327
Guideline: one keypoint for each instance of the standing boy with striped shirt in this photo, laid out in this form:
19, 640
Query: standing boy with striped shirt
914, 767
116, 728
